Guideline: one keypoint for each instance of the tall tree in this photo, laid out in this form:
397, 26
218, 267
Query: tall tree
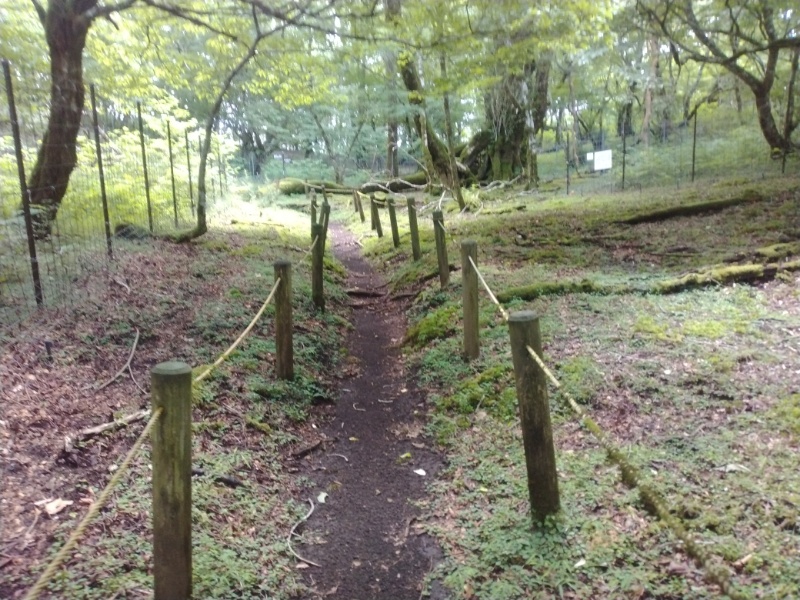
745, 37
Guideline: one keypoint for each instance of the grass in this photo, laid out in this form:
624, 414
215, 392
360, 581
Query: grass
697, 388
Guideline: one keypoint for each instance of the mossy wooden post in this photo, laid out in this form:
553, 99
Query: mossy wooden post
317, 295
325, 218
360, 207
534, 408
313, 217
171, 390
376, 215
469, 295
284, 349
393, 223
441, 247
414, 228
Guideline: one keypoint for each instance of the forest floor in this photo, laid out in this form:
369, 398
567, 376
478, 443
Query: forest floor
411, 456
346, 435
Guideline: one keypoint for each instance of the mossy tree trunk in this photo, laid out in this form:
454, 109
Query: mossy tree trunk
435, 149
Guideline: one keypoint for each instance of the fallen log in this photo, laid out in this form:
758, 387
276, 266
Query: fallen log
720, 275
690, 210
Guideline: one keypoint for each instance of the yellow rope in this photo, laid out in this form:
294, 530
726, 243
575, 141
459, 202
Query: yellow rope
63, 553
238, 341
630, 474
651, 498
311, 249
502, 310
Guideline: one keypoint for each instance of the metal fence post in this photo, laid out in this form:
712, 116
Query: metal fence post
101, 174
23, 186
172, 174
144, 167
189, 169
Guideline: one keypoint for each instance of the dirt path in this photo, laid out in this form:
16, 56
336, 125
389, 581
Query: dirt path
365, 535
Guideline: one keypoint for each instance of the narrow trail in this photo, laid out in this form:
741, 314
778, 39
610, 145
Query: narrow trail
365, 536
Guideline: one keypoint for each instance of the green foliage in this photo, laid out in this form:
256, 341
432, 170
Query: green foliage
434, 326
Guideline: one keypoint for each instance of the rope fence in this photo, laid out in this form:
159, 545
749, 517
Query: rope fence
94, 509
653, 501
174, 582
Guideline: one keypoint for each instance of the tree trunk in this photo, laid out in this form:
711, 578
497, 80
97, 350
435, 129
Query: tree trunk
652, 83
66, 30
393, 8
448, 122
507, 122
434, 148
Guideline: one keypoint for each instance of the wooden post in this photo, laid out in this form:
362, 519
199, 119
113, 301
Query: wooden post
313, 217
360, 208
469, 295
355, 201
284, 354
375, 215
317, 255
413, 227
534, 408
171, 390
324, 219
393, 223
441, 247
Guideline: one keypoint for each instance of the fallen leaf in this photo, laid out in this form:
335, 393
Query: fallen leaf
301, 565
54, 507
732, 467
420, 472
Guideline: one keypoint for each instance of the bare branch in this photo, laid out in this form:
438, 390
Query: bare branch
190, 16
39, 10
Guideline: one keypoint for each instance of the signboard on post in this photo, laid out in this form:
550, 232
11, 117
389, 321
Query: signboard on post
601, 161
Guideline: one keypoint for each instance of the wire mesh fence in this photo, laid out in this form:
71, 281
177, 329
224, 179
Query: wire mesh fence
712, 144
134, 175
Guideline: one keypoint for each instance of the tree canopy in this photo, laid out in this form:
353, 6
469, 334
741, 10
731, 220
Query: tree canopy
467, 91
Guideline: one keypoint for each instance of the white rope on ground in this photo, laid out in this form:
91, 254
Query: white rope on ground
238, 341
69, 545
502, 310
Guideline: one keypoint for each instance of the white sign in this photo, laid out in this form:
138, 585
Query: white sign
602, 160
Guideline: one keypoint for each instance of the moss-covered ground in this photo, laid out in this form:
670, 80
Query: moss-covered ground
699, 388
